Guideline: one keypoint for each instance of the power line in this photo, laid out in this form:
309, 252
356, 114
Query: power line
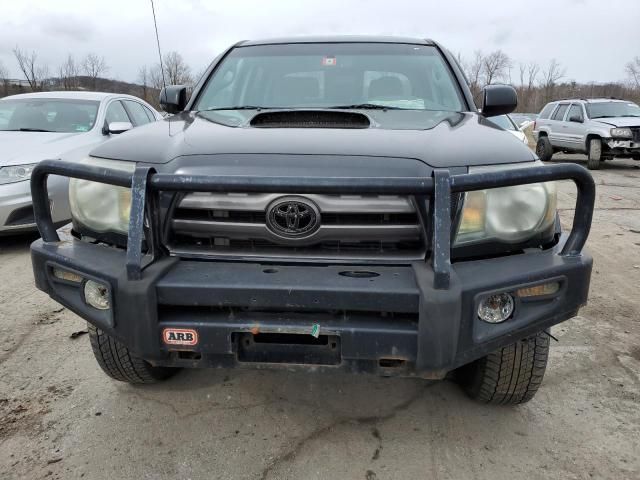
155, 24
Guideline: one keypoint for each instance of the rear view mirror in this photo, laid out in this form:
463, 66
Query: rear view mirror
498, 100
173, 98
119, 127
576, 118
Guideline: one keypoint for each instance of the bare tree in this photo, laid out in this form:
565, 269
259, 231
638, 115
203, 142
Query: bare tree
495, 67
28, 62
68, 73
533, 70
155, 77
93, 67
176, 71
633, 72
474, 72
550, 77
527, 92
4, 78
143, 78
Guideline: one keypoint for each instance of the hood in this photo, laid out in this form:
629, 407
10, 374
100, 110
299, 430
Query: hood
619, 121
17, 148
438, 139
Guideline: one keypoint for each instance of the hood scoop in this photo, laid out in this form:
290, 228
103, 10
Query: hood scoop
310, 119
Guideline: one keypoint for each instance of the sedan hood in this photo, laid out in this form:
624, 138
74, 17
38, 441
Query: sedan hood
620, 121
438, 139
17, 148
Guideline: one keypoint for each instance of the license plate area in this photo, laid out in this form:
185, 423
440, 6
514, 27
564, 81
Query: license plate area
291, 348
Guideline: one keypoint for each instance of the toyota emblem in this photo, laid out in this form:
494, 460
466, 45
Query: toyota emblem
293, 217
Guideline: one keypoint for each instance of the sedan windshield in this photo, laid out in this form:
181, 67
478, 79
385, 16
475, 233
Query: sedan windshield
613, 109
332, 75
47, 115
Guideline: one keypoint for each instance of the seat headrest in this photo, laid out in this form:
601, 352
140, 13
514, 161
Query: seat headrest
387, 86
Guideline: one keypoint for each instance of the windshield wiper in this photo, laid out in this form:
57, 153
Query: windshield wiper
239, 107
29, 130
366, 106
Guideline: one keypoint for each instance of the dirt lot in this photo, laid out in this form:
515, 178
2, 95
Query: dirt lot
60, 417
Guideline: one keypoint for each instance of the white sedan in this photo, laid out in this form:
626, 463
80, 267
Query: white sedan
48, 125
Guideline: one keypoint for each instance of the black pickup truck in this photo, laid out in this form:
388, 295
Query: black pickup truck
322, 203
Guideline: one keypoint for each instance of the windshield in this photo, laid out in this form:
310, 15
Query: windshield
326, 75
47, 115
612, 109
504, 122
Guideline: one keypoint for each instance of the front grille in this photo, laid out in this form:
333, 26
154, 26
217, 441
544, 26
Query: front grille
636, 134
351, 227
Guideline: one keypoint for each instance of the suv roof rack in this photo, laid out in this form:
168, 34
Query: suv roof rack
585, 99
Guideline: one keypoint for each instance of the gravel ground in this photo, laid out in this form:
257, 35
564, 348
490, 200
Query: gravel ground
60, 417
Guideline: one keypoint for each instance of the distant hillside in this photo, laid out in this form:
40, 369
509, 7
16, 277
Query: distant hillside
149, 94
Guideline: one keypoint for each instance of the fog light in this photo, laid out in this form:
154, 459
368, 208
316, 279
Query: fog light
539, 290
97, 295
496, 308
66, 275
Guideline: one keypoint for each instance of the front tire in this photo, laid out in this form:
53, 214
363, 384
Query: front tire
117, 361
594, 154
544, 149
510, 375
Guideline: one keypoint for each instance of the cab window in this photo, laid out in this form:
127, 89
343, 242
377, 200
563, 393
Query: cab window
116, 113
137, 113
559, 115
546, 111
575, 111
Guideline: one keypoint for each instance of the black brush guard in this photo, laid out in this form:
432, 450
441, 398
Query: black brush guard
146, 185
156, 290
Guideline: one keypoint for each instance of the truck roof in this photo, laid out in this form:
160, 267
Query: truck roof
337, 39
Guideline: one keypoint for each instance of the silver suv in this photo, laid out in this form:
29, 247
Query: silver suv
601, 128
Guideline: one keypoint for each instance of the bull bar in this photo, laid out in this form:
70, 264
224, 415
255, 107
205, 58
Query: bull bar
146, 184
445, 337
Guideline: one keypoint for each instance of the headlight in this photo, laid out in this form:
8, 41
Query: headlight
16, 173
621, 132
98, 206
508, 214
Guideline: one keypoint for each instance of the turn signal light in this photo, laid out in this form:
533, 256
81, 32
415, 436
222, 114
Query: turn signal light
67, 275
539, 290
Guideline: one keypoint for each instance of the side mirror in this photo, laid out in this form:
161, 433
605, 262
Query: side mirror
119, 127
498, 100
576, 118
173, 98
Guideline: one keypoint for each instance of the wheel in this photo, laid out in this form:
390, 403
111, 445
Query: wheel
508, 376
594, 154
544, 150
120, 364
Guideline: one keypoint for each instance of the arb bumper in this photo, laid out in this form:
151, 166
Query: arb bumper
418, 319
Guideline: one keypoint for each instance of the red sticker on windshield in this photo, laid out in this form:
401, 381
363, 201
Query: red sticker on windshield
329, 61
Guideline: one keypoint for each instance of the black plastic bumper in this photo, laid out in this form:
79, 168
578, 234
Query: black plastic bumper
423, 330
417, 319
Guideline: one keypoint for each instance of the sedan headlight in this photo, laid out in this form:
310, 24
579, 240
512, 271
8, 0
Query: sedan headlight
16, 173
621, 132
98, 206
507, 215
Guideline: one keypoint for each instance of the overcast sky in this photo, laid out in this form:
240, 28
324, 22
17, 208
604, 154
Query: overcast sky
592, 39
